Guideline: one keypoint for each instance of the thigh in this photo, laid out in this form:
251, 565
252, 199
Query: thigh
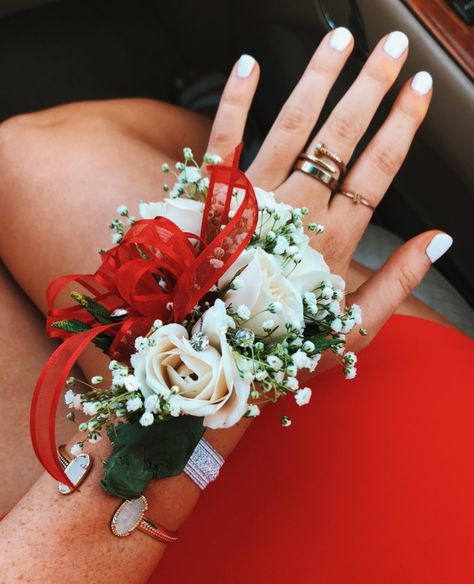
25, 348
65, 170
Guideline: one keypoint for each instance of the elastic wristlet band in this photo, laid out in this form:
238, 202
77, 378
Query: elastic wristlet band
204, 465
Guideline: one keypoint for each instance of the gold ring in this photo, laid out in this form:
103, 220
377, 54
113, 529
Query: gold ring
319, 162
356, 198
321, 150
316, 172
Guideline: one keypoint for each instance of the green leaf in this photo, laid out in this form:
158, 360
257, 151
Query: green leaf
71, 326
154, 452
103, 342
322, 343
99, 312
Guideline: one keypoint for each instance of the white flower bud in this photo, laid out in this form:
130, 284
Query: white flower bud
252, 411
147, 419
308, 346
303, 396
243, 312
275, 362
268, 325
122, 210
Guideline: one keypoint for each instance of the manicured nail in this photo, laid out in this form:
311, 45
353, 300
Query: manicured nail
438, 246
245, 66
396, 44
340, 39
422, 82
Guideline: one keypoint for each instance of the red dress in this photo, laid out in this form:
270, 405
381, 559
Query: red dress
372, 483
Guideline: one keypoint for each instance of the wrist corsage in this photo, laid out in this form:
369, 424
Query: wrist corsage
208, 306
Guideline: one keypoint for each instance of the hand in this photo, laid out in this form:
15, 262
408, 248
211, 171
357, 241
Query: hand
370, 175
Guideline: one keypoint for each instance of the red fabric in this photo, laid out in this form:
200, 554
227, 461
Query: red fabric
373, 482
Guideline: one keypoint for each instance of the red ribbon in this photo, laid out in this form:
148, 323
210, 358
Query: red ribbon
153, 266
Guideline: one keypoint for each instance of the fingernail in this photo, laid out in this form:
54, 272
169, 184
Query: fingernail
438, 246
340, 39
396, 44
245, 66
422, 82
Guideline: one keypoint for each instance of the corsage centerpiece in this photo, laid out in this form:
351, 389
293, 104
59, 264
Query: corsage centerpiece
208, 306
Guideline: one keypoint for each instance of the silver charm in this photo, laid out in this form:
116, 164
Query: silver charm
244, 337
199, 341
76, 471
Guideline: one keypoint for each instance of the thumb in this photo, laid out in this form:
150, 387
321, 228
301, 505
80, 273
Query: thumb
385, 290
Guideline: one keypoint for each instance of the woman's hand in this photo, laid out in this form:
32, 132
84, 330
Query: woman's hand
370, 175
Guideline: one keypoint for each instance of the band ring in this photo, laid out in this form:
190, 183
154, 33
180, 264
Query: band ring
326, 166
357, 198
317, 172
321, 150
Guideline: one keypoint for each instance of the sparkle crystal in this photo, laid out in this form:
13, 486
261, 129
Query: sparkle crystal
128, 516
199, 341
244, 337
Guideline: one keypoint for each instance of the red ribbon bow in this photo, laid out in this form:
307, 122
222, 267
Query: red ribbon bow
154, 273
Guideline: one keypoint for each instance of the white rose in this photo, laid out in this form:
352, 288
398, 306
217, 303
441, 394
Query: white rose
263, 283
311, 271
185, 213
208, 382
266, 200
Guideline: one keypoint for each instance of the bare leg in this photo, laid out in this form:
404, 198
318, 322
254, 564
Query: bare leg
24, 351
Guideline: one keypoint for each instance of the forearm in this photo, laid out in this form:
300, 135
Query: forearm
47, 536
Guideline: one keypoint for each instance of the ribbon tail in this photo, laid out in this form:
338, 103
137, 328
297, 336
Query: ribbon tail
46, 397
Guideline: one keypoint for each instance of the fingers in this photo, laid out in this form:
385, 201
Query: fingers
379, 163
383, 292
298, 116
229, 124
352, 115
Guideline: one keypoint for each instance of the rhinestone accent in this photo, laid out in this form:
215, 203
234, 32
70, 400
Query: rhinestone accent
204, 465
244, 337
199, 341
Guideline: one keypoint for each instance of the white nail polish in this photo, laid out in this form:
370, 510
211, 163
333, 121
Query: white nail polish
422, 82
396, 44
245, 66
438, 246
340, 39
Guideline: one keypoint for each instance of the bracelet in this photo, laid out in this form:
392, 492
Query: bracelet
131, 515
76, 469
204, 464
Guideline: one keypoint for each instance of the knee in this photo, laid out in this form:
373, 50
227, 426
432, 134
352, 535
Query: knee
16, 142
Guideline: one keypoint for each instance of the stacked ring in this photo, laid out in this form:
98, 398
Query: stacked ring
317, 172
330, 172
321, 150
319, 162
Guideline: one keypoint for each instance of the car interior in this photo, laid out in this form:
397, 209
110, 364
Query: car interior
53, 52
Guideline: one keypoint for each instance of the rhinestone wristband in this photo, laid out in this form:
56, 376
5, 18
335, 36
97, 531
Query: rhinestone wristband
204, 465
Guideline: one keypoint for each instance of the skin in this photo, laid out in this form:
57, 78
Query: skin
65, 170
